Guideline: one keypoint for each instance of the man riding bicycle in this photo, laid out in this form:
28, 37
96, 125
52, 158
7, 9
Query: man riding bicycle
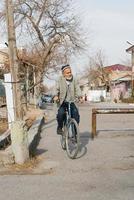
67, 90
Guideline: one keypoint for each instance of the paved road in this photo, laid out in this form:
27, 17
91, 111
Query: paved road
104, 169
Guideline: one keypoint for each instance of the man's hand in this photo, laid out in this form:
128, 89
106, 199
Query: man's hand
56, 98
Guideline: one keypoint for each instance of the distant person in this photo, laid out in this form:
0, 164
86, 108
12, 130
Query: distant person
85, 97
67, 90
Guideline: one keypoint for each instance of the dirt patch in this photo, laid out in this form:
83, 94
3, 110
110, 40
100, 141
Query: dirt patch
29, 168
3, 126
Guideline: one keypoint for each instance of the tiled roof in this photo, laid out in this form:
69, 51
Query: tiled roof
120, 76
118, 67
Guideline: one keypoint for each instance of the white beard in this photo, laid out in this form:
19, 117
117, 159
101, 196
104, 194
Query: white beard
69, 79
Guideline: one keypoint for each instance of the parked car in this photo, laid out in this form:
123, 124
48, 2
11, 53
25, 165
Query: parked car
47, 98
43, 99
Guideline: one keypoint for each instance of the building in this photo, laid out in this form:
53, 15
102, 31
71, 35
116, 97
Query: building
27, 74
115, 81
120, 81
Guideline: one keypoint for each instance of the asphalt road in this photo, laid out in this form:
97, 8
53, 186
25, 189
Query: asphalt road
104, 169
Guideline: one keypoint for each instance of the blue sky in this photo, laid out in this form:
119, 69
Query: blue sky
109, 24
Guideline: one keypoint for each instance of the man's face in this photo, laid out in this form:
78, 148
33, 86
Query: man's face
67, 73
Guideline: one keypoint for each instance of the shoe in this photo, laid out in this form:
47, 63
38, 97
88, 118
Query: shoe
74, 139
59, 131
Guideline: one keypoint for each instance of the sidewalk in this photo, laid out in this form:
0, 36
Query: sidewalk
34, 119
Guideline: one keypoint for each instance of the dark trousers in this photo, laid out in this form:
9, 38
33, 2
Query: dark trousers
61, 113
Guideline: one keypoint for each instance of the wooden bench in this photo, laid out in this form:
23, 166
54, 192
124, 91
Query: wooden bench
96, 111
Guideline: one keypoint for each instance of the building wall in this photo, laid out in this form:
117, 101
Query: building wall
119, 90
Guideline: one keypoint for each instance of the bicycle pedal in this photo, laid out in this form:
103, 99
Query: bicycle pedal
74, 140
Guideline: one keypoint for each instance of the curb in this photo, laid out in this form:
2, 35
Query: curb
7, 157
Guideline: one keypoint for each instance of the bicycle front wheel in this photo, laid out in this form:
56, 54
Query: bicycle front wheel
72, 139
63, 138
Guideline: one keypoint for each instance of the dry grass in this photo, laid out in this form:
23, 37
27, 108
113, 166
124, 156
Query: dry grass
29, 168
26, 168
29, 165
3, 125
31, 116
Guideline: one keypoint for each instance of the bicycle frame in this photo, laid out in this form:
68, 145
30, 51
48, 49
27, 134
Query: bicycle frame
68, 116
68, 112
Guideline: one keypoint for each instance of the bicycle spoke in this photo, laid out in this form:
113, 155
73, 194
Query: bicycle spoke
63, 140
72, 139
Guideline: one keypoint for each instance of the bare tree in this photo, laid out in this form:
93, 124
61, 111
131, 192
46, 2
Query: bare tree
96, 72
50, 29
50, 32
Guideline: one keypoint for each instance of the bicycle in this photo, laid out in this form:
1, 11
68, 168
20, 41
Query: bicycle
70, 138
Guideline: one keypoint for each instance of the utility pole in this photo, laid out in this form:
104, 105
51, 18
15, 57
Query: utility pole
14, 65
131, 51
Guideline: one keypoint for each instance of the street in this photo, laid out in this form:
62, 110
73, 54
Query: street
104, 169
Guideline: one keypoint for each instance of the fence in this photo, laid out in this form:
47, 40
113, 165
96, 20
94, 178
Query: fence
96, 111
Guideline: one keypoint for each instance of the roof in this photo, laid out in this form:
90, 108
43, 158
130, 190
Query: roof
126, 77
120, 75
130, 49
118, 67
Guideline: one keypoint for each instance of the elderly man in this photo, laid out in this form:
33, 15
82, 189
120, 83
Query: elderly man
67, 90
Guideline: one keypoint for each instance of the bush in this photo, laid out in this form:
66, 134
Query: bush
128, 100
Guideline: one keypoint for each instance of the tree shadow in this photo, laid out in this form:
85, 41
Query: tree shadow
50, 121
40, 151
84, 140
49, 124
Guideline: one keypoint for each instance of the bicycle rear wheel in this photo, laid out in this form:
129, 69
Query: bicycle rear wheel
72, 139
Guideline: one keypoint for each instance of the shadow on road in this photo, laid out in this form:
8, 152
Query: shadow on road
84, 140
40, 151
50, 121
49, 124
